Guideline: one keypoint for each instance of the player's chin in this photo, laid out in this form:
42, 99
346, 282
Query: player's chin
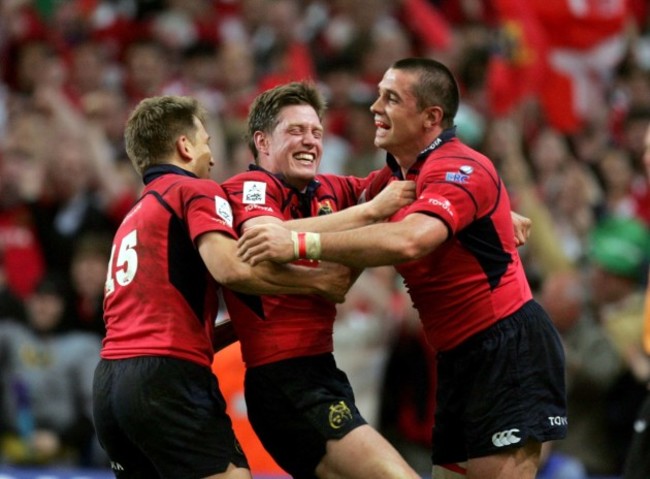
381, 137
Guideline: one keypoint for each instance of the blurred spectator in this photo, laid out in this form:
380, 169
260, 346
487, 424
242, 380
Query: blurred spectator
593, 367
106, 110
637, 462
69, 206
634, 140
148, 68
199, 76
238, 82
45, 384
280, 48
89, 266
619, 252
363, 156
616, 172
21, 248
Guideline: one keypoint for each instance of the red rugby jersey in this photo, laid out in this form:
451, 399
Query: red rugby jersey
159, 298
475, 278
275, 327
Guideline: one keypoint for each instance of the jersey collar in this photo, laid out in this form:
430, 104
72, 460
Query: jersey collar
444, 137
309, 191
156, 171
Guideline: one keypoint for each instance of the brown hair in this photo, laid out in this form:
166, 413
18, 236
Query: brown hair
436, 86
264, 111
155, 124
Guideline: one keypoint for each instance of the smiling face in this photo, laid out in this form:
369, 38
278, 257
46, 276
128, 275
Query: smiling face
294, 147
401, 125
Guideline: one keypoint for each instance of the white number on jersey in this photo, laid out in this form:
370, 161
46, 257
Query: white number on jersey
126, 264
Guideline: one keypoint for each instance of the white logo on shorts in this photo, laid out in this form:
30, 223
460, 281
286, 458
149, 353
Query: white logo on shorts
505, 438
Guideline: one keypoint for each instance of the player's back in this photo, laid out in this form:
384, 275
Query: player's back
159, 298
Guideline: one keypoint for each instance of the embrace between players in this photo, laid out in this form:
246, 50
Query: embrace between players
438, 211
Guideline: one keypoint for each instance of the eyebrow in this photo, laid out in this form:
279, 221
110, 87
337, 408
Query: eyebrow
388, 91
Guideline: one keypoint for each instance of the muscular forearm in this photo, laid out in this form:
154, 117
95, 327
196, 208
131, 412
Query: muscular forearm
353, 217
268, 278
383, 244
395, 196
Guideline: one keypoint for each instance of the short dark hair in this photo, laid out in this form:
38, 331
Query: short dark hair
264, 112
155, 124
436, 86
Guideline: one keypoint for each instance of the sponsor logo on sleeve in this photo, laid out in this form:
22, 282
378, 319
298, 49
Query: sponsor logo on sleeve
222, 207
444, 204
254, 193
258, 207
456, 177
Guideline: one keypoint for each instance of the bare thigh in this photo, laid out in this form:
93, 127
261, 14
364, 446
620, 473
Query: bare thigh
521, 463
233, 472
361, 454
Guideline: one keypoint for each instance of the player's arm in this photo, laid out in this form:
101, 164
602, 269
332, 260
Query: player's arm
219, 252
373, 245
394, 196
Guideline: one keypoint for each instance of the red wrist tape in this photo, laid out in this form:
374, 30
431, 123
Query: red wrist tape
302, 245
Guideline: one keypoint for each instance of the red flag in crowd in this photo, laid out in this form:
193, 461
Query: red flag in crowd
586, 42
517, 67
428, 23
559, 50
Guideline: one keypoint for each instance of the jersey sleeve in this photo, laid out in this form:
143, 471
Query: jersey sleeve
253, 194
457, 192
208, 209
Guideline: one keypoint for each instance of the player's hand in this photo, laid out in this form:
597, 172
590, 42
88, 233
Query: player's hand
394, 196
263, 242
522, 227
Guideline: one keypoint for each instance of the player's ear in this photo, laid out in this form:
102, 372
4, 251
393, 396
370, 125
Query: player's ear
184, 148
433, 116
261, 142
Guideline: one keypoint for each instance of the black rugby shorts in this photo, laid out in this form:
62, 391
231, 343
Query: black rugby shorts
162, 417
296, 405
501, 387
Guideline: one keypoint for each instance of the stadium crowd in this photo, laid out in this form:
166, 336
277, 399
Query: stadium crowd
556, 92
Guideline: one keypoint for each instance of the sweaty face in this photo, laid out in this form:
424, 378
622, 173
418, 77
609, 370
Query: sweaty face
398, 119
294, 148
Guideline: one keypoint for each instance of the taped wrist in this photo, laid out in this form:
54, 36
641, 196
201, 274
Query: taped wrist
306, 245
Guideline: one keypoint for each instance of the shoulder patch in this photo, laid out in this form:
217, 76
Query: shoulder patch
456, 177
223, 209
254, 193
